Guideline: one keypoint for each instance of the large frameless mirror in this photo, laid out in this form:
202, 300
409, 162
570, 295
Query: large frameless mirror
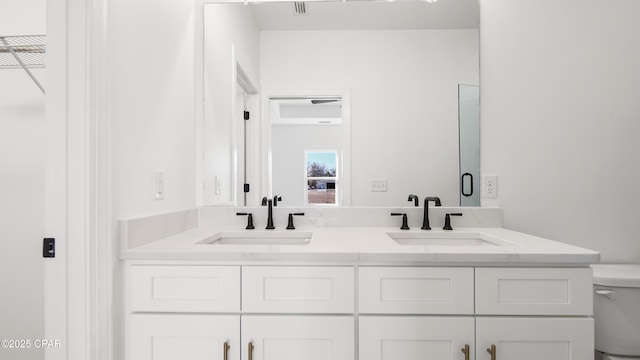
409, 70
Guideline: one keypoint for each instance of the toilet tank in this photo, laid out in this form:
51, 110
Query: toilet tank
617, 309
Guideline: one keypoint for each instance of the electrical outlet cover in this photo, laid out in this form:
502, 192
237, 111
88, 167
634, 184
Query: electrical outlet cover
490, 186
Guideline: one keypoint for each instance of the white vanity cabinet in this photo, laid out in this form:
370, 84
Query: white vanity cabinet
321, 312
505, 313
285, 312
182, 312
544, 313
203, 312
418, 296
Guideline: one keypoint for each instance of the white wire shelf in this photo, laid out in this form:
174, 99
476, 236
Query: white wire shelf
23, 52
31, 49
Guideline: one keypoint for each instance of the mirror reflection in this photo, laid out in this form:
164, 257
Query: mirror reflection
398, 75
308, 150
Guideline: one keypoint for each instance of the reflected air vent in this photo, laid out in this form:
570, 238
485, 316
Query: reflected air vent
300, 8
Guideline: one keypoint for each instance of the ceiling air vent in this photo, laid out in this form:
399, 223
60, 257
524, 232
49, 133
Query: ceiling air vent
300, 8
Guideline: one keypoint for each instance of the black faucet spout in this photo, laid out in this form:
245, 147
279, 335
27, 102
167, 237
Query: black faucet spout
413, 198
269, 204
425, 219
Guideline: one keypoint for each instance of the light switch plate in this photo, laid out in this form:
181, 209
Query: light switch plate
158, 185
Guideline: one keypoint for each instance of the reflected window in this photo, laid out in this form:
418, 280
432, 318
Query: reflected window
321, 177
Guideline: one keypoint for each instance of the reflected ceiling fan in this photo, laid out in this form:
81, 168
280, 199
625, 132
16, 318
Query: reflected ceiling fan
323, 101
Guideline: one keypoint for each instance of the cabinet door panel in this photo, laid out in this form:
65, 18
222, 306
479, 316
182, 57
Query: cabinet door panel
299, 289
415, 338
535, 338
188, 289
527, 291
192, 337
415, 290
299, 337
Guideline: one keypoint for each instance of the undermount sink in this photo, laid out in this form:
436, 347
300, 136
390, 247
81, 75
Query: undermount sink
259, 238
426, 238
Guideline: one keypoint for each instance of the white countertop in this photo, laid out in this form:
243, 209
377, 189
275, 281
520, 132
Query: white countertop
368, 245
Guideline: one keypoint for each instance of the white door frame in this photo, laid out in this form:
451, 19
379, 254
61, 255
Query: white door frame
266, 169
77, 281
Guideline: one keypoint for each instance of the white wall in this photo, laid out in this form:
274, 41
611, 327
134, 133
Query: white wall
152, 105
407, 136
559, 113
22, 138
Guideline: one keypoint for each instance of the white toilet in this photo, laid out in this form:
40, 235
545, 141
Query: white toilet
617, 311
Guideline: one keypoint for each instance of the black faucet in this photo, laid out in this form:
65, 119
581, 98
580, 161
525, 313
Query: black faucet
290, 222
447, 220
425, 220
276, 198
404, 225
269, 204
249, 220
413, 198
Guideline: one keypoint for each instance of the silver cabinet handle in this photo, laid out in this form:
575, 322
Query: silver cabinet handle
610, 294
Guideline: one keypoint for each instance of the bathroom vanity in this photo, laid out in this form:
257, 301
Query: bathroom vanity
345, 293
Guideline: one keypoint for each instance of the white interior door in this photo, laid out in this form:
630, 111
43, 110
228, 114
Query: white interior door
240, 146
22, 189
22, 185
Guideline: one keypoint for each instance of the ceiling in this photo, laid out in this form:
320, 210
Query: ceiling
369, 15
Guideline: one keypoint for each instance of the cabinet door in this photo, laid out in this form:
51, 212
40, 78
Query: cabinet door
188, 337
416, 338
535, 338
298, 337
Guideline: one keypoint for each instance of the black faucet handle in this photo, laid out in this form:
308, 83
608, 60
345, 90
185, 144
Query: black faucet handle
447, 220
414, 198
405, 225
249, 220
276, 198
264, 201
290, 222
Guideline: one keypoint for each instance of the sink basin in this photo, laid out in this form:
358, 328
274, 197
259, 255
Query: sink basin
259, 238
446, 239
